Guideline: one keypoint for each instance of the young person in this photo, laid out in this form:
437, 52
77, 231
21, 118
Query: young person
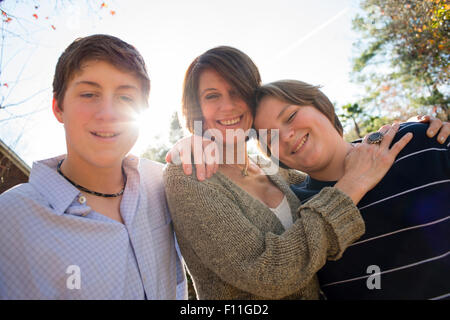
404, 253
93, 223
243, 233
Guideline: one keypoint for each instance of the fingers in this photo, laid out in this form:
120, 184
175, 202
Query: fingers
168, 157
399, 145
389, 136
416, 119
435, 125
444, 132
187, 169
204, 152
384, 129
211, 157
206, 157
197, 152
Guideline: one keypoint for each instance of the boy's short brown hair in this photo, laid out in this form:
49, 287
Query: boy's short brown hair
99, 47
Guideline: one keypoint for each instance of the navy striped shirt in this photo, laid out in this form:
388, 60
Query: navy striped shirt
404, 253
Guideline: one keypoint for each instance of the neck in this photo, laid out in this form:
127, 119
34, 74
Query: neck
100, 179
234, 154
335, 168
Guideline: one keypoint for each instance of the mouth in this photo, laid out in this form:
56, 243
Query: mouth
300, 144
105, 134
230, 122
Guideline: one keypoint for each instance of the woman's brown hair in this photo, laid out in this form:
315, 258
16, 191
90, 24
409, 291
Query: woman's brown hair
231, 64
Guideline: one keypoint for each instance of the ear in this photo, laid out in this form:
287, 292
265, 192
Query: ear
57, 111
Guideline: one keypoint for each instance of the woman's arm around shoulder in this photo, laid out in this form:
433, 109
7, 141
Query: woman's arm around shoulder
215, 226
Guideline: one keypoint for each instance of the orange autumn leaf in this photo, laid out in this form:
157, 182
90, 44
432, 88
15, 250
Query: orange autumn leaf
112, 12
35, 16
8, 20
104, 5
4, 13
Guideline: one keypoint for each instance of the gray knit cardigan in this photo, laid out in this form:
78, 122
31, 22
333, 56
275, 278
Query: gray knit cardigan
236, 248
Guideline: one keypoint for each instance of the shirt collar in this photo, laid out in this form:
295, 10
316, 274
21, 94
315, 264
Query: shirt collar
59, 193
48, 182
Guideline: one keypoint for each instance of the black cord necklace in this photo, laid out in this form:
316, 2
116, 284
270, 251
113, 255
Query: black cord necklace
106, 195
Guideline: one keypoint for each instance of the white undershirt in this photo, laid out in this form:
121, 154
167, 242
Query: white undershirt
283, 212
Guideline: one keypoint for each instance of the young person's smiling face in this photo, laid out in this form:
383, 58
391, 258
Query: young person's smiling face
222, 106
99, 112
307, 138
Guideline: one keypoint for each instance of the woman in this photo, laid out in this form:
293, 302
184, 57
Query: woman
406, 214
244, 234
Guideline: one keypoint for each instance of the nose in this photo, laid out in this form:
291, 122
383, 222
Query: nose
286, 134
228, 103
107, 109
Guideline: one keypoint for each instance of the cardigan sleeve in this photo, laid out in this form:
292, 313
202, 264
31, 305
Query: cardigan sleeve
294, 176
262, 263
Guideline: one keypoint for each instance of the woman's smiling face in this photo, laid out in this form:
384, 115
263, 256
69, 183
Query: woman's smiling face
222, 106
307, 138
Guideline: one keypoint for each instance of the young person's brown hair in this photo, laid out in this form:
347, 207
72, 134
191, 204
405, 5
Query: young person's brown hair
231, 64
301, 94
99, 47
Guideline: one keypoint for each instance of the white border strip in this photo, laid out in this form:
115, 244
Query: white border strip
401, 193
441, 297
401, 230
389, 271
417, 152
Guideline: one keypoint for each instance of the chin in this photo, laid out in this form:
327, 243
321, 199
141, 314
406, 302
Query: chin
106, 159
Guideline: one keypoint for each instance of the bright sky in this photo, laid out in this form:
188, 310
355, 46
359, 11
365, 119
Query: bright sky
307, 40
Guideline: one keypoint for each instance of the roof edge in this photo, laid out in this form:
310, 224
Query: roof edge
15, 159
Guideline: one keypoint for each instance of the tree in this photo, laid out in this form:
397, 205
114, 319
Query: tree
362, 122
24, 26
18, 29
404, 54
158, 149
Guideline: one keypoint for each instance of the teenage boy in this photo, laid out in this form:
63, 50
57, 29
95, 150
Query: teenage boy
92, 224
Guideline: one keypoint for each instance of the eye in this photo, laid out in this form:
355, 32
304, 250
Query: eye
292, 116
87, 95
127, 99
211, 96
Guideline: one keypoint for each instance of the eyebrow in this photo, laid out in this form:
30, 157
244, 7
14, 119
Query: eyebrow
283, 110
95, 84
207, 89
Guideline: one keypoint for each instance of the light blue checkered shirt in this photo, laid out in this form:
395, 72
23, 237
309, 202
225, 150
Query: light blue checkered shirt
54, 247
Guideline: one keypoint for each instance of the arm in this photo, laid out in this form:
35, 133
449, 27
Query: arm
206, 157
292, 176
209, 219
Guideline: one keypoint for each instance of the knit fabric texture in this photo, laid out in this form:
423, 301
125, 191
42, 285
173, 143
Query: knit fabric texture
236, 248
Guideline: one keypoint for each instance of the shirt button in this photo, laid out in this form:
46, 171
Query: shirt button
81, 199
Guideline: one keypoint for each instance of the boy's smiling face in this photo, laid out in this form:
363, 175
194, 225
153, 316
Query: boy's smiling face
307, 139
99, 113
